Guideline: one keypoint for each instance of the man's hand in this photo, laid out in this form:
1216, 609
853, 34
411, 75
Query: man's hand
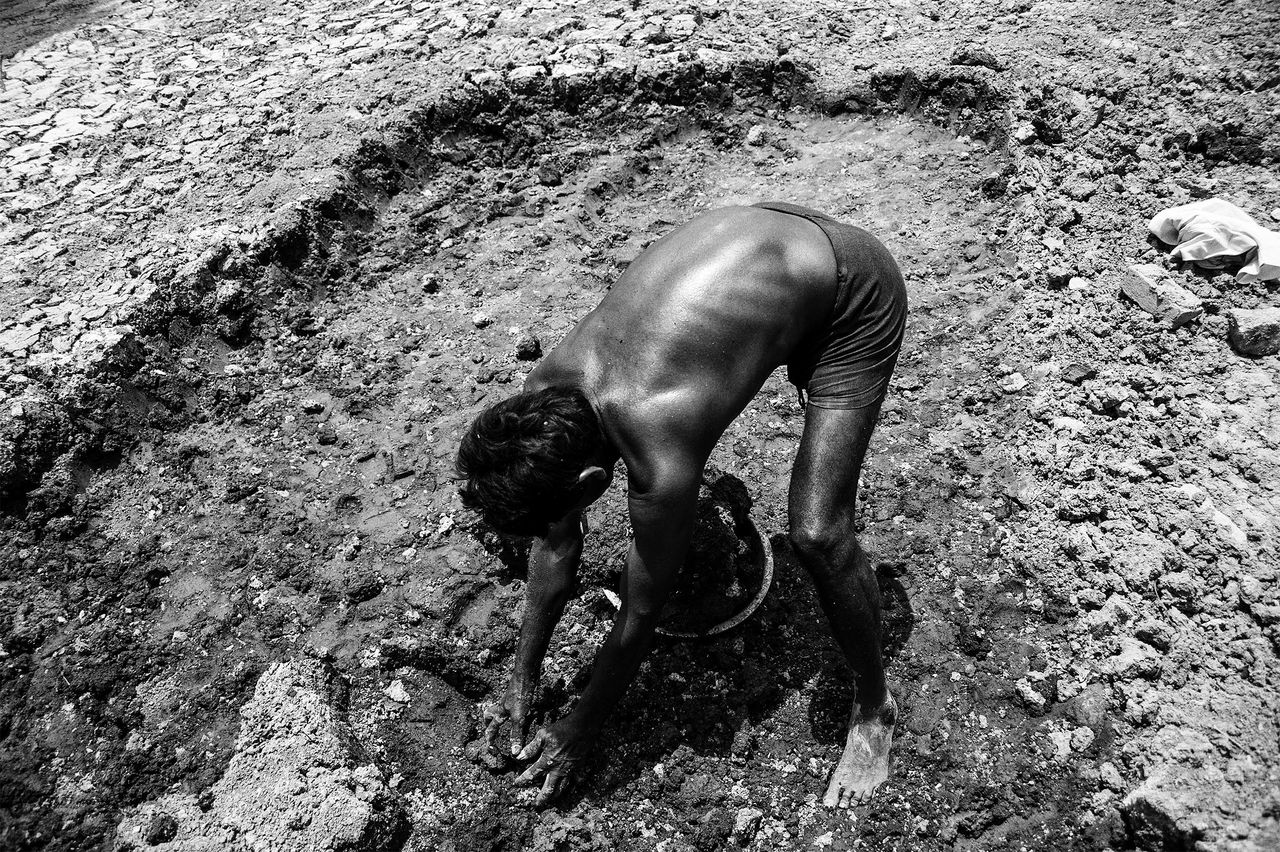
560, 748
512, 709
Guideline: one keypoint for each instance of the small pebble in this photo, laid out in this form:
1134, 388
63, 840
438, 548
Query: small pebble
528, 348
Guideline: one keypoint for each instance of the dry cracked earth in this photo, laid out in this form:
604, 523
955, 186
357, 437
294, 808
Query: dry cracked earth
261, 263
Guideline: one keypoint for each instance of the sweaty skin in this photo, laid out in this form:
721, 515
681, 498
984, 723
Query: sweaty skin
674, 352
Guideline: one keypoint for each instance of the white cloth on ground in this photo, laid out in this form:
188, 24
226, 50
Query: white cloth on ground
1205, 230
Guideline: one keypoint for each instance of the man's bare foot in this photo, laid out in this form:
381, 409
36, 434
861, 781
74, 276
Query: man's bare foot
864, 766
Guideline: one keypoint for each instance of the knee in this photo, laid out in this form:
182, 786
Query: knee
821, 542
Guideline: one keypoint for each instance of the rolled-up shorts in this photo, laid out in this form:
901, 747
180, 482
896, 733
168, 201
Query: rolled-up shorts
849, 365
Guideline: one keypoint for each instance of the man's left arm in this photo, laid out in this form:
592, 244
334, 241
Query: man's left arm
662, 519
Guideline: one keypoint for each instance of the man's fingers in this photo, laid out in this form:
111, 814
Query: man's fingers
491, 733
517, 741
518, 733
555, 784
535, 745
530, 775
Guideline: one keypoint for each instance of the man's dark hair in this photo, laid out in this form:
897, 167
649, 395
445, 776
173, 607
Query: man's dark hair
522, 458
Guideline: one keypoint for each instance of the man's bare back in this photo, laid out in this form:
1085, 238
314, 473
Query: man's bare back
697, 323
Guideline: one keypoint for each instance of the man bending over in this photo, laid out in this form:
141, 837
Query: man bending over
654, 375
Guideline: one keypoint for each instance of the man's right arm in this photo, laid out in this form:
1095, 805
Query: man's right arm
553, 566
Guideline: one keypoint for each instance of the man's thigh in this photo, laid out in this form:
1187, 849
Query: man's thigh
824, 481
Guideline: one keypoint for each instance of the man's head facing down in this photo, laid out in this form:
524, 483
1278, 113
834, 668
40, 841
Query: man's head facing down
532, 459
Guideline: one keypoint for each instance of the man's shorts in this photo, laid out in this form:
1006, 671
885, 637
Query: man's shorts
849, 365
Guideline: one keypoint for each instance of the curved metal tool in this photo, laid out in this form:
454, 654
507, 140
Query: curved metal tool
766, 550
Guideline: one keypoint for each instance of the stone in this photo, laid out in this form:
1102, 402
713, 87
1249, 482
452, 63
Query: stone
1013, 383
1029, 695
567, 71
1155, 632
1135, 660
548, 176
396, 692
482, 320
1075, 372
1148, 286
1254, 332
162, 828
1161, 812
746, 824
1079, 504
526, 73
1057, 277
976, 57
528, 348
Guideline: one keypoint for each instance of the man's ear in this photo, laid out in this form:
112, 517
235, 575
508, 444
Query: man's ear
591, 484
594, 477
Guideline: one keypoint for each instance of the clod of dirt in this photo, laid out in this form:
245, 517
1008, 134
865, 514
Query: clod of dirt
1148, 286
33, 432
295, 782
528, 348
1254, 332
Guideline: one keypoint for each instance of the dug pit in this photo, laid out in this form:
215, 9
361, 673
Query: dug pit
298, 492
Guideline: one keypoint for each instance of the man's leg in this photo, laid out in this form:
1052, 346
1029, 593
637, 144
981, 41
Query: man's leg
824, 487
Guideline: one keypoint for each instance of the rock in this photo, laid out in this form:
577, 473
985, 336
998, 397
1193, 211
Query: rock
1160, 813
1029, 695
312, 406
292, 740
1079, 190
1112, 399
1155, 632
1057, 277
1113, 614
1254, 332
1079, 504
746, 824
1135, 660
162, 828
482, 320
526, 74
976, 57
396, 692
1075, 372
1061, 744
528, 348
548, 176
1148, 286
1013, 383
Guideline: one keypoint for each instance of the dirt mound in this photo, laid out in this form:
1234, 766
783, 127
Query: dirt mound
297, 781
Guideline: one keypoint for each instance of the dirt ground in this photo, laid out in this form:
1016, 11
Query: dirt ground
243, 607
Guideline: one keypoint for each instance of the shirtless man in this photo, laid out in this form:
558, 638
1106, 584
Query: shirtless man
654, 375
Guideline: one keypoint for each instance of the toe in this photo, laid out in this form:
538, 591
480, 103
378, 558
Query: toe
832, 798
